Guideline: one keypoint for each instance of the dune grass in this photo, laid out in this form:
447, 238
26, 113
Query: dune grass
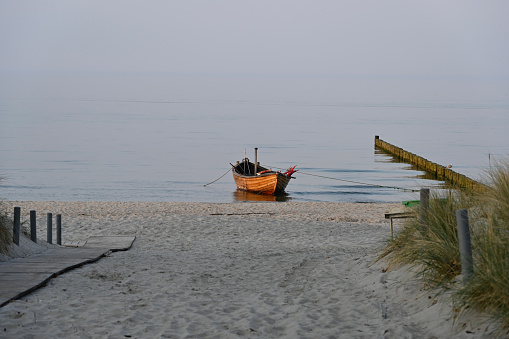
488, 289
5, 229
429, 244
5, 232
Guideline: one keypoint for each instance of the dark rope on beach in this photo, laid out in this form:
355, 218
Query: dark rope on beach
351, 181
218, 178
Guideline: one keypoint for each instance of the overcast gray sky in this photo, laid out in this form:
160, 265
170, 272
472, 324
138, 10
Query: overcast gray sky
318, 37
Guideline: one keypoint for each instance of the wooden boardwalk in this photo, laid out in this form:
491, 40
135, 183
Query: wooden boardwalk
21, 276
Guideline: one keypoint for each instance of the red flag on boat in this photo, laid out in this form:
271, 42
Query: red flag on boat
290, 171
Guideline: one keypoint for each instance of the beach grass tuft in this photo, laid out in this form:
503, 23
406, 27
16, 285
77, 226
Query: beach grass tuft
429, 245
5, 232
488, 289
5, 229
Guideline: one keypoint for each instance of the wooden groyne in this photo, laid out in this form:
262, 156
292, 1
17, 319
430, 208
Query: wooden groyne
441, 172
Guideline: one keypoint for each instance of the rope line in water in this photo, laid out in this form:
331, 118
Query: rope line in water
330, 178
350, 181
218, 178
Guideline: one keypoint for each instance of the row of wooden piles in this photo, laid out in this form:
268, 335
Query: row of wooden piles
441, 172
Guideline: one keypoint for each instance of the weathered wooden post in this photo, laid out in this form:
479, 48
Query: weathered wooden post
16, 229
423, 206
33, 226
59, 229
467, 263
49, 233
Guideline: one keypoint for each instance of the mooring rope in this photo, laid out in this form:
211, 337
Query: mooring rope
350, 181
330, 178
218, 178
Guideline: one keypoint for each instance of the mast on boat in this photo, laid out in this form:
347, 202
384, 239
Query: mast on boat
256, 161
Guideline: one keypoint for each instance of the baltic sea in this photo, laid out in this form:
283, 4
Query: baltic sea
162, 137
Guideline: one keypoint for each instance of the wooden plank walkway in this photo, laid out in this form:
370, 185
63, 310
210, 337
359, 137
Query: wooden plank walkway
21, 276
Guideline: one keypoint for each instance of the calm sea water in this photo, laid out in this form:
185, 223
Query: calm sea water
163, 137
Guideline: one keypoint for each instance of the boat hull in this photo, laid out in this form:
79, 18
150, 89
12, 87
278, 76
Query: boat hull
267, 183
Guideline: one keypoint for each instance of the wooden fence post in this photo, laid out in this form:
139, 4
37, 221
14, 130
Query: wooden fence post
467, 263
59, 229
49, 234
33, 226
423, 206
16, 229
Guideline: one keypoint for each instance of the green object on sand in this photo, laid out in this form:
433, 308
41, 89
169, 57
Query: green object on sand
411, 203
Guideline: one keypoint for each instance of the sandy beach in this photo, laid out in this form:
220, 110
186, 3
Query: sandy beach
255, 270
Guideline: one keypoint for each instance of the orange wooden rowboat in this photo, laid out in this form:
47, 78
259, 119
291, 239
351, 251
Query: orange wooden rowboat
252, 177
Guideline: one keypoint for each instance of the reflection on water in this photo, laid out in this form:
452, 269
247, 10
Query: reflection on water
240, 195
419, 173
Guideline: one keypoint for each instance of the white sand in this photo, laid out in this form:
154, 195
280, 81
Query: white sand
256, 270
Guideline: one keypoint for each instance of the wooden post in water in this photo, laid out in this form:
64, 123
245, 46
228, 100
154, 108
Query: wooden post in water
49, 234
33, 226
16, 229
256, 161
59, 229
